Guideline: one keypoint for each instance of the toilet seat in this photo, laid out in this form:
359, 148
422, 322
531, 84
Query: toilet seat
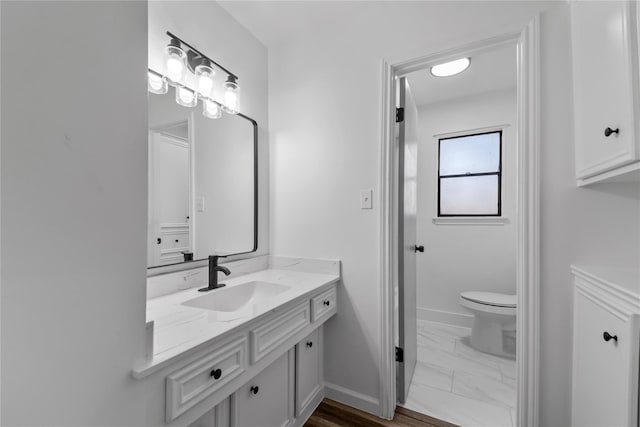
494, 315
490, 298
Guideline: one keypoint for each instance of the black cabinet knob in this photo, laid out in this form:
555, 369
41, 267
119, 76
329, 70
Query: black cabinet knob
608, 337
327, 303
417, 248
309, 344
216, 373
255, 389
609, 131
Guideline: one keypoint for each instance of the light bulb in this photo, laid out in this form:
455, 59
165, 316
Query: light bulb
186, 97
450, 68
174, 66
211, 109
231, 96
156, 83
204, 78
175, 61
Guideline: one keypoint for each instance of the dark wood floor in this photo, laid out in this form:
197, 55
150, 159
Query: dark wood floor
333, 414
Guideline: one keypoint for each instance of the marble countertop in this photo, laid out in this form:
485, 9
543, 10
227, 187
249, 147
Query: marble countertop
181, 330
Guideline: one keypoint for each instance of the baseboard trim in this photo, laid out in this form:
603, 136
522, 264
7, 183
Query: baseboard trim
448, 317
352, 398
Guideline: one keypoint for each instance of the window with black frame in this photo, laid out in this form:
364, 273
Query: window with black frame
470, 175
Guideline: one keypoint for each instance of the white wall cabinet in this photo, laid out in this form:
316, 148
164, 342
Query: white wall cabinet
605, 353
606, 104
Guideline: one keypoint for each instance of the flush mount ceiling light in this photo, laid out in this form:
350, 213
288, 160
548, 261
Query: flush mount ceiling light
180, 57
450, 68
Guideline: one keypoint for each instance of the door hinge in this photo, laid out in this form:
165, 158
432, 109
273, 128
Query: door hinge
399, 115
399, 354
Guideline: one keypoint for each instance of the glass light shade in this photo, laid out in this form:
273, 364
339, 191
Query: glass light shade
450, 68
231, 96
186, 97
204, 80
157, 83
210, 109
175, 63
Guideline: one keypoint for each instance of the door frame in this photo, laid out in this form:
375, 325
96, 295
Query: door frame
153, 131
528, 214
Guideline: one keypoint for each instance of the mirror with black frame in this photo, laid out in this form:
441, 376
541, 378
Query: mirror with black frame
202, 183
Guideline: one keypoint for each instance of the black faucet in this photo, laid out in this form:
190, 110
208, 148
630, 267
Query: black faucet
213, 273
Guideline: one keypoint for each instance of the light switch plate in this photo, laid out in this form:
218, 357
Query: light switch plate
365, 199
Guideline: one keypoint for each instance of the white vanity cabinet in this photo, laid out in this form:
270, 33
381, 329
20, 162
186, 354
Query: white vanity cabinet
605, 77
309, 375
266, 372
267, 399
217, 417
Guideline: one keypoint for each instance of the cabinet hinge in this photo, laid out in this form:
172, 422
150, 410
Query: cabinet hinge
399, 354
399, 115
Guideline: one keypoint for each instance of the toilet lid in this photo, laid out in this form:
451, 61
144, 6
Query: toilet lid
491, 298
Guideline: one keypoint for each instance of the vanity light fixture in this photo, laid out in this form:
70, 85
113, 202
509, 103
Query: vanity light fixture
204, 78
450, 68
180, 56
231, 95
157, 83
211, 109
186, 97
175, 62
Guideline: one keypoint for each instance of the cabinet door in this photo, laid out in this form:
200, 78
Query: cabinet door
308, 370
604, 50
267, 400
217, 417
605, 369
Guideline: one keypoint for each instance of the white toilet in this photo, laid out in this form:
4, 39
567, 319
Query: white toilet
494, 317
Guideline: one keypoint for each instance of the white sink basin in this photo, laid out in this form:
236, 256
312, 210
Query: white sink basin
237, 297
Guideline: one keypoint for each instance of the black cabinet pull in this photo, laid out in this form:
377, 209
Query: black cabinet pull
417, 248
609, 131
608, 337
216, 373
158, 240
327, 303
309, 344
255, 389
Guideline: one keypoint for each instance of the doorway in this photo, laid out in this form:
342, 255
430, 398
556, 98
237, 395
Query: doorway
170, 227
527, 206
464, 127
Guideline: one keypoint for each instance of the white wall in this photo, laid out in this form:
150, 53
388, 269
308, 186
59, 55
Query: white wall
460, 258
209, 28
324, 120
74, 180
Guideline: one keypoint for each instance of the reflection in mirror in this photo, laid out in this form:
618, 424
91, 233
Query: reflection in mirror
202, 189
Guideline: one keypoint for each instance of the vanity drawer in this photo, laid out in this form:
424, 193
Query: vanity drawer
199, 380
324, 305
266, 337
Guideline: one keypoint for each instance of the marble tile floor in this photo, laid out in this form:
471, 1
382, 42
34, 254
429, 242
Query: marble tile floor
455, 383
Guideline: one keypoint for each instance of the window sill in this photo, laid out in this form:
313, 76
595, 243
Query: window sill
471, 220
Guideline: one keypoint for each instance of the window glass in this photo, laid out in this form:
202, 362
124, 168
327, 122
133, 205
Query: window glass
469, 181
472, 195
470, 154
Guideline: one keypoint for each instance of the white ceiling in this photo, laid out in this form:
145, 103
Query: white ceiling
276, 22
489, 71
